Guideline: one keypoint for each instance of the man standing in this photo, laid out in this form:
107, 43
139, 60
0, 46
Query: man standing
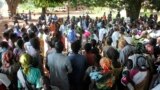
59, 66
29, 13
71, 36
79, 64
110, 16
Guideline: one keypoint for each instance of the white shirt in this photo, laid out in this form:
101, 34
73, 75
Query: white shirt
128, 39
154, 34
63, 29
115, 36
95, 37
102, 31
46, 46
29, 48
4, 80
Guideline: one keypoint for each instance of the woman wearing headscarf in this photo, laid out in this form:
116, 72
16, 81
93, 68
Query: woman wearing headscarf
10, 67
136, 73
103, 79
28, 74
113, 55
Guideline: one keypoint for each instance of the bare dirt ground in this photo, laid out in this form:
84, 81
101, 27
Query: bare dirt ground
10, 23
2, 22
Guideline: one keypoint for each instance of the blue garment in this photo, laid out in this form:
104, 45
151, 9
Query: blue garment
71, 36
59, 67
99, 25
95, 75
17, 31
2, 50
79, 65
84, 25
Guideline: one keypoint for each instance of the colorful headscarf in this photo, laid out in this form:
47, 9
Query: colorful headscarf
7, 58
25, 61
105, 63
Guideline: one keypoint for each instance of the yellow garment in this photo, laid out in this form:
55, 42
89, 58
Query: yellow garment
25, 61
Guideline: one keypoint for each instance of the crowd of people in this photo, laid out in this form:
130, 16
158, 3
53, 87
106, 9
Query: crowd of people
81, 53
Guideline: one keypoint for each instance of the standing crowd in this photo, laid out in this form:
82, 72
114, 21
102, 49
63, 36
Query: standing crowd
81, 53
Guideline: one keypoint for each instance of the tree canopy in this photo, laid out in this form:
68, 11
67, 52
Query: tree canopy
132, 6
47, 3
12, 6
156, 4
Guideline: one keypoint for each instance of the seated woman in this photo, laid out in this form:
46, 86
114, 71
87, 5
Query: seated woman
10, 68
28, 76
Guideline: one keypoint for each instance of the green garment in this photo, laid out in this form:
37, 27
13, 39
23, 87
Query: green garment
33, 77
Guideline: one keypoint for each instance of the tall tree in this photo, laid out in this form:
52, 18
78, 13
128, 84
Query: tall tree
156, 4
132, 6
47, 3
12, 6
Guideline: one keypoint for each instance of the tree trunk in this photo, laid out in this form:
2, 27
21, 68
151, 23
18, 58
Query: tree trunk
44, 10
133, 9
12, 10
68, 7
12, 6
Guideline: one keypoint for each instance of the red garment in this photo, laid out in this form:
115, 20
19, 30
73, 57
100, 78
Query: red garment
53, 27
2, 87
7, 57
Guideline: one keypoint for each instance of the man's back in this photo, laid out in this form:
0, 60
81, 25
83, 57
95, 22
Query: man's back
59, 66
79, 64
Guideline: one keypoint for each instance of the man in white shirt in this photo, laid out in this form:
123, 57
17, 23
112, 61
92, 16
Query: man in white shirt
102, 32
63, 28
115, 36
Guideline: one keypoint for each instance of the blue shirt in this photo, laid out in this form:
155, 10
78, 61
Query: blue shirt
79, 65
71, 36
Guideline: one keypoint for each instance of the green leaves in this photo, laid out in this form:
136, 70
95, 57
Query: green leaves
102, 3
46, 3
156, 4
